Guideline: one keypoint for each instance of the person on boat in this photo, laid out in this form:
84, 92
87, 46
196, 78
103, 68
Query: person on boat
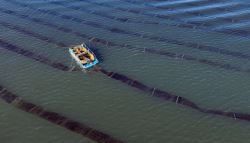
81, 57
81, 50
77, 51
84, 61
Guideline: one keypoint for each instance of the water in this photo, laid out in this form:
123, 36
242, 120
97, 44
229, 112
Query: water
115, 108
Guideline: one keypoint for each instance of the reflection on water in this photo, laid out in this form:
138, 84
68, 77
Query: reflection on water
196, 50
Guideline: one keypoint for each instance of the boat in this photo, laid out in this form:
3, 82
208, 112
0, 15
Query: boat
83, 56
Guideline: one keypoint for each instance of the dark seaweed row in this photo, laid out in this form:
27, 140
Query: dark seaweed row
179, 6
181, 23
83, 9
154, 92
125, 10
145, 88
194, 3
169, 54
244, 33
56, 118
151, 91
201, 13
193, 25
108, 43
155, 38
189, 24
206, 48
32, 34
32, 55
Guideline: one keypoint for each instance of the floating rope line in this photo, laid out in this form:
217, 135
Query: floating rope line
196, 13
190, 25
182, 24
158, 93
56, 118
32, 55
147, 37
164, 53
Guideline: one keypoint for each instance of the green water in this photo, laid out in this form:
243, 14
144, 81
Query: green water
110, 106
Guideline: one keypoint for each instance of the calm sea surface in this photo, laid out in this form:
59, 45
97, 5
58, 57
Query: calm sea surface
216, 34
